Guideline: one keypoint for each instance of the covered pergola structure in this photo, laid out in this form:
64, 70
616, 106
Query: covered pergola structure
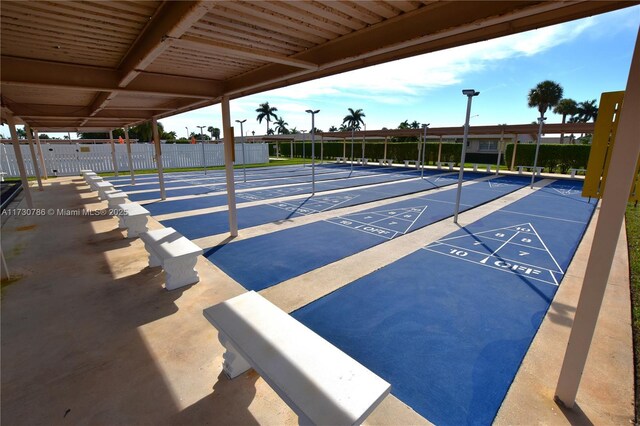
101, 65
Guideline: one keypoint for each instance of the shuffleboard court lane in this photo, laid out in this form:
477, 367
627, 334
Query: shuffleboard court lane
449, 325
207, 224
337, 180
282, 255
206, 201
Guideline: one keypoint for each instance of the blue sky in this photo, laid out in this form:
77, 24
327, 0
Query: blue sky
587, 57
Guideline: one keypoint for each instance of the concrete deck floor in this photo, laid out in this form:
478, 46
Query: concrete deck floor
89, 335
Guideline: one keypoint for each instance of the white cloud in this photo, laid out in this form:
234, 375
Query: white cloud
443, 68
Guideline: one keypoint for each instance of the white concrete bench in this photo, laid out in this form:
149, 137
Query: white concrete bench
414, 162
486, 166
2, 175
115, 198
362, 161
133, 217
175, 253
92, 180
385, 162
574, 171
84, 172
449, 165
341, 159
102, 187
322, 384
521, 169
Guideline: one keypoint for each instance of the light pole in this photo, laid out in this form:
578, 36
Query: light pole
363, 142
535, 159
469, 93
187, 132
244, 167
353, 130
313, 157
424, 146
304, 155
204, 158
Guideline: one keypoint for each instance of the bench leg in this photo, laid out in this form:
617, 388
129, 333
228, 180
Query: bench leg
135, 225
180, 272
153, 259
234, 364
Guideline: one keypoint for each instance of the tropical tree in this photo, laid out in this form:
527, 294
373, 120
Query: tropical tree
587, 111
415, 125
566, 107
170, 136
281, 126
266, 112
294, 131
545, 95
210, 130
215, 133
270, 132
353, 119
333, 129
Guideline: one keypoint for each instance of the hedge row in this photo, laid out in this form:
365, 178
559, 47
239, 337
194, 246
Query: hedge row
554, 158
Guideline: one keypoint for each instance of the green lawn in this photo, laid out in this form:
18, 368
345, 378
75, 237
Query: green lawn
633, 241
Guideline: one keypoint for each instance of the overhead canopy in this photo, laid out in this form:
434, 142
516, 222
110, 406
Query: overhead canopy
96, 65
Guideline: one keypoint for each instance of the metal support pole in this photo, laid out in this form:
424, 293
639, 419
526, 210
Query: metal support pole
156, 141
470, 93
34, 159
385, 148
424, 147
313, 153
304, 155
363, 145
228, 166
16, 148
113, 154
500, 148
321, 148
535, 159
129, 157
43, 165
439, 150
614, 202
352, 137
244, 167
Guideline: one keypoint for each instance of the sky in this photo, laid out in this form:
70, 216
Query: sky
586, 57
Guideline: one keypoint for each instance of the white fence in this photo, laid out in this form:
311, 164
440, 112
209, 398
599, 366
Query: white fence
69, 159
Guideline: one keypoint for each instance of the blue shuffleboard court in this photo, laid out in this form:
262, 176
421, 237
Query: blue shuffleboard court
202, 225
328, 181
263, 261
449, 325
206, 201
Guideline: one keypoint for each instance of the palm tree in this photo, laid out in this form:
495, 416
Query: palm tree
210, 130
566, 107
215, 133
353, 119
587, 111
265, 112
545, 95
281, 126
415, 125
333, 129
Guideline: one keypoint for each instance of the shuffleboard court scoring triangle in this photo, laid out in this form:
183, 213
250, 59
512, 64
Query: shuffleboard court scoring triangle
314, 205
516, 249
386, 223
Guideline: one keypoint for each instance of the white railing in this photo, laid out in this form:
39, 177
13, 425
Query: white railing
69, 159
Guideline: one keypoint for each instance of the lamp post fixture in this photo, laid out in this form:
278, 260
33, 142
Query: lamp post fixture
244, 167
424, 146
187, 132
204, 158
469, 93
535, 159
313, 156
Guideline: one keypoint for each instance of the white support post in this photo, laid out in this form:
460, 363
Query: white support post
513, 157
156, 141
385, 148
500, 148
321, 149
614, 202
228, 166
440, 151
113, 154
128, 140
34, 159
16, 147
43, 165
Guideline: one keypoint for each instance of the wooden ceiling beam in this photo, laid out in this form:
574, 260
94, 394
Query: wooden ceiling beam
34, 73
202, 44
